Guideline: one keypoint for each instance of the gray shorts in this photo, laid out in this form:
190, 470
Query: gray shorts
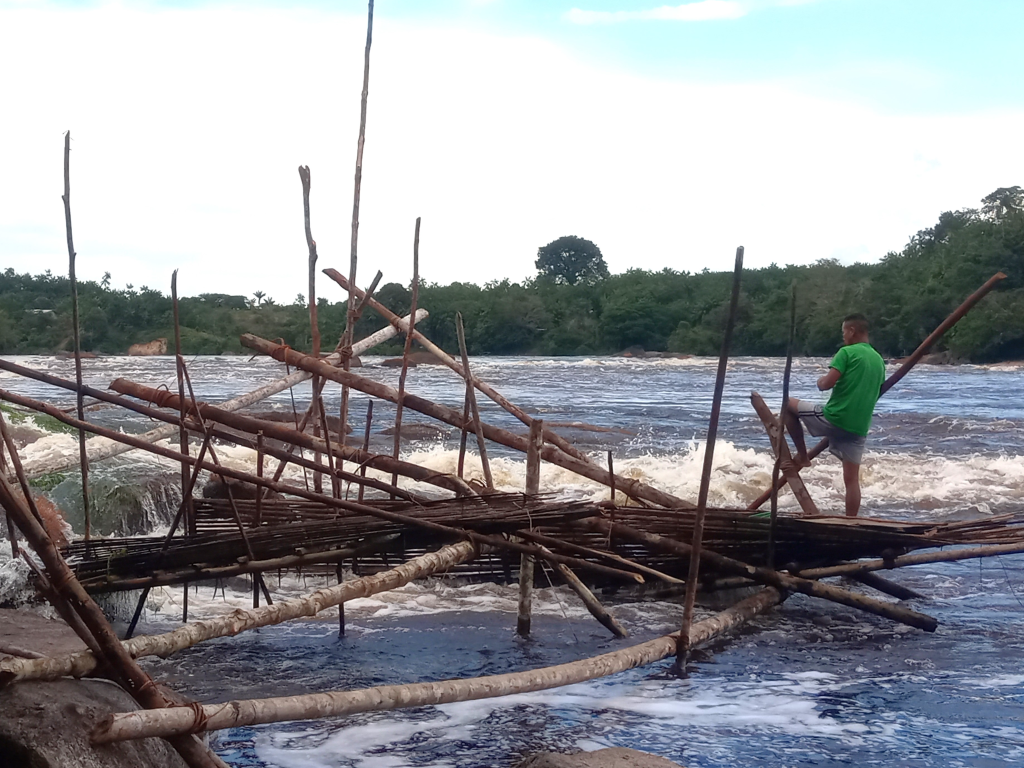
846, 445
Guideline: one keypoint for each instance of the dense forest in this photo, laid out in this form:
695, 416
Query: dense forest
575, 307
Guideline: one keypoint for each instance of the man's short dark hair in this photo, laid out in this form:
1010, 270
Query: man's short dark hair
857, 321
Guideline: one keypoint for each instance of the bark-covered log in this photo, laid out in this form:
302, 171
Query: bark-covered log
767, 576
233, 714
81, 664
443, 413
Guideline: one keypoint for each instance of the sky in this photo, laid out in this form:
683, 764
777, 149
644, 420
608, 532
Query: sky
666, 134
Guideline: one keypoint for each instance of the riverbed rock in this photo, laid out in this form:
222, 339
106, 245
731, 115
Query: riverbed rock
415, 358
416, 431
155, 347
612, 757
47, 725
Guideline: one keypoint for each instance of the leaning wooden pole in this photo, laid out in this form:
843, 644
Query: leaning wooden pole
767, 576
83, 454
474, 407
552, 437
408, 346
709, 455
631, 487
134, 725
395, 517
84, 663
230, 419
524, 617
68, 590
781, 425
909, 363
109, 450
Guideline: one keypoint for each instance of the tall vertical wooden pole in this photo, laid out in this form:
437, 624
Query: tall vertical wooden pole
782, 427
314, 325
408, 347
533, 453
83, 456
709, 457
350, 313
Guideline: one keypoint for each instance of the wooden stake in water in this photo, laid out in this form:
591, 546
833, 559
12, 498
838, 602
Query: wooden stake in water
408, 346
533, 454
474, 407
350, 310
709, 457
314, 325
83, 456
782, 427
366, 446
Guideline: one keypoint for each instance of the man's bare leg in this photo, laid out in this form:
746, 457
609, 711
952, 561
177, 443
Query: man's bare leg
796, 431
851, 478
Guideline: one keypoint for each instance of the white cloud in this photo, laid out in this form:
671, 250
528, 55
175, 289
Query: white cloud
188, 127
704, 10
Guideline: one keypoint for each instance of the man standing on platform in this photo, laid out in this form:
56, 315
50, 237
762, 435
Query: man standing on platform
855, 377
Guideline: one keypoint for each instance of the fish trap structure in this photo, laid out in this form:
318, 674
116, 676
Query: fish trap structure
394, 521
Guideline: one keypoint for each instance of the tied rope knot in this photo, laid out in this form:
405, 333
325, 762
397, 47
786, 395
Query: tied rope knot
200, 719
280, 353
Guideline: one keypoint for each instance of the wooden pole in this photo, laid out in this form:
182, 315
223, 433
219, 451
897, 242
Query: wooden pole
396, 517
408, 346
780, 443
769, 577
133, 725
633, 488
782, 455
709, 457
109, 450
921, 558
67, 589
84, 663
350, 309
474, 407
526, 565
593, 605
366, 445
464, 432
83, 454
234, 420
909, 363
314, 326
448, 360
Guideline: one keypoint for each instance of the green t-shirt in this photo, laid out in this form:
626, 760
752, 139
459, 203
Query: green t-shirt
853, 398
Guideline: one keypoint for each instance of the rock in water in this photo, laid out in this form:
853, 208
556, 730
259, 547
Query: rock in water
613, 757
47, 725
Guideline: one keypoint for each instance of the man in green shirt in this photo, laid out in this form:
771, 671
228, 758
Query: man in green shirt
855, 377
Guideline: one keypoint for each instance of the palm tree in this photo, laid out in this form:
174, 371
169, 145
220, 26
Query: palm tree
258, 295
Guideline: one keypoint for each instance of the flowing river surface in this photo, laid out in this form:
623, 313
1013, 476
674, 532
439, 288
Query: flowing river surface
809, 684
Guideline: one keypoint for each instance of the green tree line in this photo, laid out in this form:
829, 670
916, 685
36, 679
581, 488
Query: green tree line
575, 307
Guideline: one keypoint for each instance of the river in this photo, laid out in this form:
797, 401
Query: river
809, 684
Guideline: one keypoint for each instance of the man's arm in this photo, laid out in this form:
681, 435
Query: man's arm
829, 379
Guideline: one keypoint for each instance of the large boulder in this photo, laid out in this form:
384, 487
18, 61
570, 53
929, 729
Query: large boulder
47, 725
613, 757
